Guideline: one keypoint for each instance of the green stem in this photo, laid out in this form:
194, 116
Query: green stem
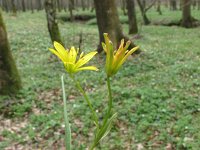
110, 97
108, 114
109, 102
67, 125
94, 116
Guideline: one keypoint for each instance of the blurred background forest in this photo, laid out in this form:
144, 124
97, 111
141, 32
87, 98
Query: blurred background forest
156, 93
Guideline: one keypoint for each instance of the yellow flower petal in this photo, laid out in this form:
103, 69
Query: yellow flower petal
104, 47
72, 55
110, 54
119, 55
109, 58
81, 55
57, 54
61, 50
120, 47
85, 59
69, 58
127, 45
88, 68
128, 54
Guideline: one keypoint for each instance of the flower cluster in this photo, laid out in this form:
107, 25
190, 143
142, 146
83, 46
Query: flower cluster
115, 59
69, 58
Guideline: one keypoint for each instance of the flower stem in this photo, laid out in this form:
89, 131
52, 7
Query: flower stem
103, 128
67, 125
94, 116
109, 102
110, 97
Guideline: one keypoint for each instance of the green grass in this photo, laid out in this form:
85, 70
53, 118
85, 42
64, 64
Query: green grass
156, 94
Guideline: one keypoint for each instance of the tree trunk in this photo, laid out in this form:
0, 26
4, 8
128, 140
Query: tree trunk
159, 7
39, 5
88, 4
18, 4
59, 5
83, 5
23, 6
50, 8
10, 81
124, 7
108, 22
198, 4
194, 4
173, 5
166, 4
14, 9
64, 5
187, 19
1, 4
133, 28
5, 6
32, 9
142, 6
71, 8
92, 7
180, 5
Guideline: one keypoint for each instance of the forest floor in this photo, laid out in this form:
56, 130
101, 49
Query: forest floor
156, 94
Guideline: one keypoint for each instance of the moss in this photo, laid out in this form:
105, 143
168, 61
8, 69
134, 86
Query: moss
10, 81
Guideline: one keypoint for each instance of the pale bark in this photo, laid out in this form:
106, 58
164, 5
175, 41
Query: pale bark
50, 8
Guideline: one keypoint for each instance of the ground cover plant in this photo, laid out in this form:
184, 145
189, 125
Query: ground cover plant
158, 106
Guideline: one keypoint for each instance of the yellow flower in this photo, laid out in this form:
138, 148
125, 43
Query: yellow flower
115, 59
69, 58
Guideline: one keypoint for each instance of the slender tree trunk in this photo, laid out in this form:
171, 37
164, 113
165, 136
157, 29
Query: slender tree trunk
32, 9
198, 4
14, 9
159, 7
92, 7
76, 3
71, 8
108, 22
50, 8
10, 81
88, 4
39, 5
18, 5
23, 6
187, 19
142, 5
83, 5
133, 28
5, 5
166, 4
194, 4
124, 7
59, 5
64, 6
180, 5
173, 5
